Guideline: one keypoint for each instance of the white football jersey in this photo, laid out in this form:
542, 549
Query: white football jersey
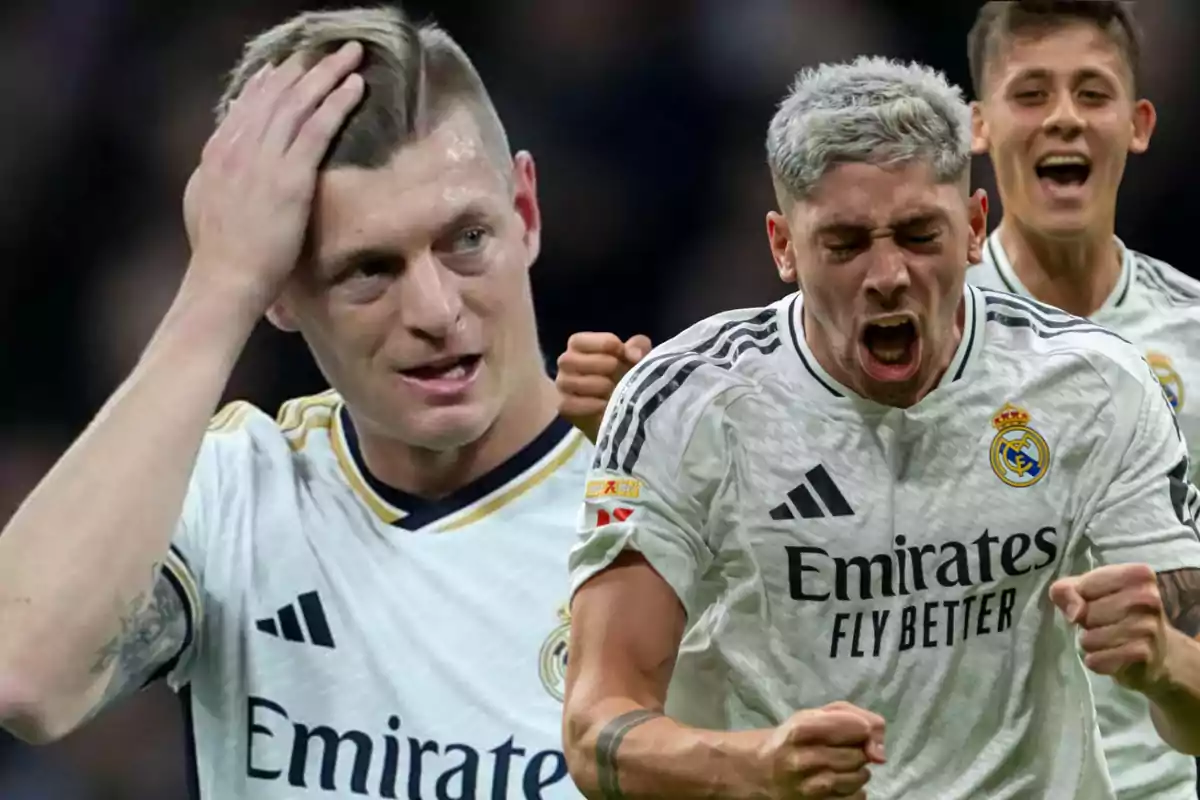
354, 641
1157, 308
829, 548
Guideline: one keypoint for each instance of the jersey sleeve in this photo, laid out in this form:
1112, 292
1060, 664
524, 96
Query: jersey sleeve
200, 522
659, 460
1142, 507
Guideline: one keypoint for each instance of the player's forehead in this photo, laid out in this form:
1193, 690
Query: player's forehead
875, 197
1071, 50
425, 186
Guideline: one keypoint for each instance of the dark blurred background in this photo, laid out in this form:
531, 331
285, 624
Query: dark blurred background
647, 120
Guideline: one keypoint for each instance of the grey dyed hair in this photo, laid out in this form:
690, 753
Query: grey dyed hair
875, 111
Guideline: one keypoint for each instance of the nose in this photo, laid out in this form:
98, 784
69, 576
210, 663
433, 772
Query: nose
1064, 117
430, 303
887, 277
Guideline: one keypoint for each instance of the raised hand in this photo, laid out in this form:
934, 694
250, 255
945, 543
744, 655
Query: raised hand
590, 370
247, 205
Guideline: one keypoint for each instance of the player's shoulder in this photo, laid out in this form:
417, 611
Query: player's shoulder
1050, 341
243, 429
722, 350
688, 378
1163, 286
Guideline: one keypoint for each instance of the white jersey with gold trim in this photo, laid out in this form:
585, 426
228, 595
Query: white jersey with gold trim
353, 641
828, 548
1156, 307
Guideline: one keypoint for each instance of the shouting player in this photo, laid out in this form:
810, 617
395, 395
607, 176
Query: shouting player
365, 595
846, 519
1058, 110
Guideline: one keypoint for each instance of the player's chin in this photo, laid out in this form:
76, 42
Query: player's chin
447, 427
1060, 220
890, 355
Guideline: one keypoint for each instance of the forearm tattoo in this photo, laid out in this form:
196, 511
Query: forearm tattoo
152, 630
1180, 591
607, 745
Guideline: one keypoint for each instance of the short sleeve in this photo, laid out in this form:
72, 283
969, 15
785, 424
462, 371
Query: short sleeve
659, 460
199, 522
1143, 503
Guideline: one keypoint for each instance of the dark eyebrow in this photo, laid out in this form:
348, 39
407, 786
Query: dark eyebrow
1082, 74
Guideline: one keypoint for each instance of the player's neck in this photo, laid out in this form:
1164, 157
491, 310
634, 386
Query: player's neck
434, 474
1076, 274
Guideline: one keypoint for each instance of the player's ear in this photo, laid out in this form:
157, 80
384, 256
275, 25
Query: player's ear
977, 218
525, 203
1145, 117
779, 236
280, 315
979, 130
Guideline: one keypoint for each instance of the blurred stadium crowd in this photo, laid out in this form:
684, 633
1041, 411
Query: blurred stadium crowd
647, 122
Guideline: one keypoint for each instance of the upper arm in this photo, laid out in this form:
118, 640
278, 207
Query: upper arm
155, 634
644, 542
626, 625
158, 632
1144, 508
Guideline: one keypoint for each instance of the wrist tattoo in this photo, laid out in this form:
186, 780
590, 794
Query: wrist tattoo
607, 744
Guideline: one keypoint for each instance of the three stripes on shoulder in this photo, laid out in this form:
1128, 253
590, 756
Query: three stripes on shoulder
660, 376
1043, 321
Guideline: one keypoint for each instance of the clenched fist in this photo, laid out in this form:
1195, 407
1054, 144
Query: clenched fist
247, 205
1124, 628
824, 752
589, 371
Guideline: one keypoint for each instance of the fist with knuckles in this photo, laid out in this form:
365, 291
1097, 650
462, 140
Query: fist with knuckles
823, 752
589, 371
1125, 633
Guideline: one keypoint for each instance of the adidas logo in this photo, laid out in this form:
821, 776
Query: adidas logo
286, 622
803, 501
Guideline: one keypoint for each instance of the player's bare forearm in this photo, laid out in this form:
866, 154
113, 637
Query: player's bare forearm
617, 749
1176, 705
79, 559
626, 625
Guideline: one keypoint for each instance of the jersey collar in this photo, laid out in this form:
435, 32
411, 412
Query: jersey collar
993, 253
549, 451
965, 356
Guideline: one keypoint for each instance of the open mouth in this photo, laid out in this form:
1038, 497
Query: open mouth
891, 349
1063, 171
457, 368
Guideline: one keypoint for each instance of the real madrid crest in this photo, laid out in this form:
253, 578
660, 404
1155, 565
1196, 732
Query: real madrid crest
1019, 454
552, 660
1164, 370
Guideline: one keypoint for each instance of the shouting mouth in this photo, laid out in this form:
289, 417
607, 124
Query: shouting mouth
1063, 175
890, 348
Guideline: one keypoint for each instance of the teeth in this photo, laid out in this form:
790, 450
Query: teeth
890, 322
1063, 161
888, 356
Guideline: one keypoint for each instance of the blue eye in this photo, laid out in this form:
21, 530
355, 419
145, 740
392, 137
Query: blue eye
469, 240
